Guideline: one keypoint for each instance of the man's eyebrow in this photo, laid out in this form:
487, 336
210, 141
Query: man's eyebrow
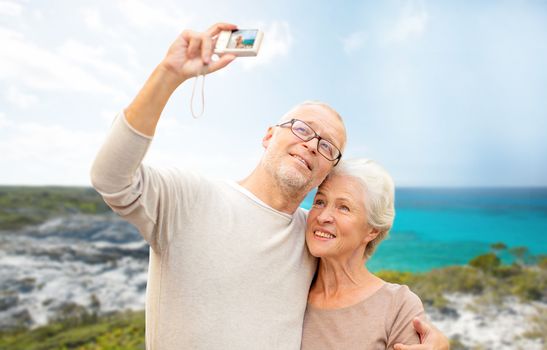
324, 135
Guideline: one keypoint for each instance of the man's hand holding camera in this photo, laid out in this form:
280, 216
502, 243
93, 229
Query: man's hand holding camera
190, 54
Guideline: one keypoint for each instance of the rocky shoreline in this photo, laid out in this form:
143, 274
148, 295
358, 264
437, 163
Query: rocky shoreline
81, 266
472, 323
68, 266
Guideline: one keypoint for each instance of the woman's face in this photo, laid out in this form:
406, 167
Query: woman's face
337, 222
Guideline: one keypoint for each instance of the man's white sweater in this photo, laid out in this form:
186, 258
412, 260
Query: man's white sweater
226, 270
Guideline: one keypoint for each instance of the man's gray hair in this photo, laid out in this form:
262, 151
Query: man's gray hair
287, 116
379, 195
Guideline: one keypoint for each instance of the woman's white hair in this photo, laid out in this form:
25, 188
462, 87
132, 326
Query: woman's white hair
379, 195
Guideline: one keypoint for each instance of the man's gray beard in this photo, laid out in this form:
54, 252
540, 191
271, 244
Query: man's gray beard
291, 181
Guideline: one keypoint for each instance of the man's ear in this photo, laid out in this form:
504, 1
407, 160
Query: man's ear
267, 137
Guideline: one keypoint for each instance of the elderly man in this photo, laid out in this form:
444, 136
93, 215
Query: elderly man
228, 264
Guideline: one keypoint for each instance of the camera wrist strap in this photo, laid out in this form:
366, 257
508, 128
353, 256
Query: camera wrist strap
202, 73
202, 97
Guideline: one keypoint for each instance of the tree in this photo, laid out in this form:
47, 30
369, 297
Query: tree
486, 262
520, 254
498, 247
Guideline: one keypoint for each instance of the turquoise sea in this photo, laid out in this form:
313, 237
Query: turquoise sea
441, 227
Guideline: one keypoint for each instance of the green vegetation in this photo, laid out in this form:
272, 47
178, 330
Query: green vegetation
123, 331
485, 276
489, 280
22, 206
487, 262
497, 247
539, 327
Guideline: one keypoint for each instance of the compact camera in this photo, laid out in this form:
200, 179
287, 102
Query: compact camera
239, 42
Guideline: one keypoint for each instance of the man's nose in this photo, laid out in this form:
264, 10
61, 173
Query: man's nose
311, 145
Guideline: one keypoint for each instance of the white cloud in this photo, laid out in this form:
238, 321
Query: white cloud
39, 68
353, 42
80, 52
172, 124
20, 99
92, 19
3, 120
411, 24
132, 57
144, 15
108, 117
30, 156
93, 57
8, 8
38, 15
276, 44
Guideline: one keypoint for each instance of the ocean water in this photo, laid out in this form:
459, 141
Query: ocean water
440, 227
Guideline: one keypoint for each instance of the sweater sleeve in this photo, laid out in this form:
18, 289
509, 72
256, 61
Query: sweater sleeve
134, 191
407, 305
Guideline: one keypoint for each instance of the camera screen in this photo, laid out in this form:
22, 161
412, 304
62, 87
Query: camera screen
242, 39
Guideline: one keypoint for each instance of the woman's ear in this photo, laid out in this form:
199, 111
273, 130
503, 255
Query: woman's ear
370, 235
266, 139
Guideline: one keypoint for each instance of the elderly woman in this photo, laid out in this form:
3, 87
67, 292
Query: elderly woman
349, 307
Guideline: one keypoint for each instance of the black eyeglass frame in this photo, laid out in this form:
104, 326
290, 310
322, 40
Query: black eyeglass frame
315, 136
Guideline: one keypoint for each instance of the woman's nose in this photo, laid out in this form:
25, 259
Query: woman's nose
325, 216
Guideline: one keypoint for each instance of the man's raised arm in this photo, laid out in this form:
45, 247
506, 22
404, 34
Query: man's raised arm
188, 56
122, 153
134, 191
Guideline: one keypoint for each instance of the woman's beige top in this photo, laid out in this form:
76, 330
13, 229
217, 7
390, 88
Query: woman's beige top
378, 322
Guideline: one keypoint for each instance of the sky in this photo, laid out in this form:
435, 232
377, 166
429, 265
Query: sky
441, 93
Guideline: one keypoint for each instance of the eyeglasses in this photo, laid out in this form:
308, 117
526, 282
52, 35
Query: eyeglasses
305, 133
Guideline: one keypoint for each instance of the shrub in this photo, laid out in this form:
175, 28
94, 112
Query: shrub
396, 276
529, 285
486, 262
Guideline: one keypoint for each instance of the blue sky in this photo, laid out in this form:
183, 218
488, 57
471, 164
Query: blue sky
442, 93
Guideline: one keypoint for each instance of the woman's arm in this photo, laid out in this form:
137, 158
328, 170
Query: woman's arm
406, 307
